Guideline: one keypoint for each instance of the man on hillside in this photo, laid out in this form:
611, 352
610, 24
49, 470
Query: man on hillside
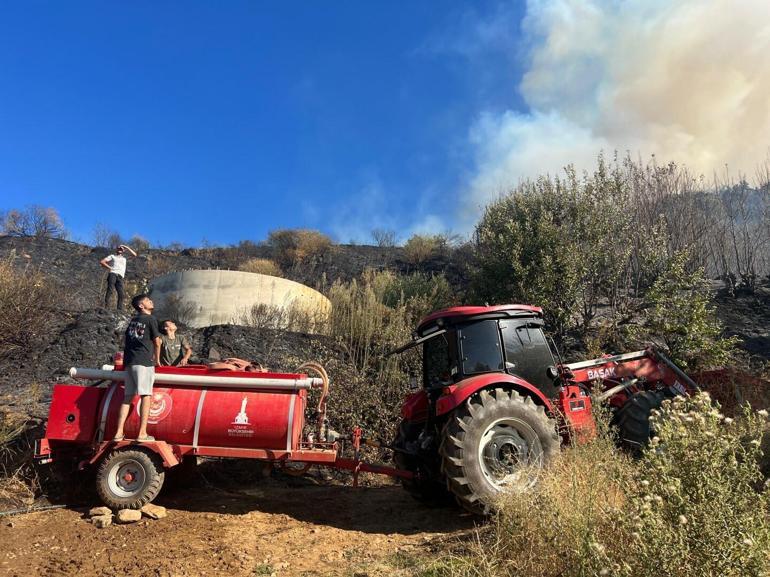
174, 350
141, 354
116, 264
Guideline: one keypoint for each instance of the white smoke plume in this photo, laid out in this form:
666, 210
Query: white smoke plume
685, 80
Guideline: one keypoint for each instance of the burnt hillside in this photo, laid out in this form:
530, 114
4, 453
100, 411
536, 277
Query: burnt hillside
75, 267
84, 333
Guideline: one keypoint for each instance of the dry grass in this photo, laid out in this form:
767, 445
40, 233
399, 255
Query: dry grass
17, 479
420, 248
261, 266
294, 246
692, 506
293, 317
557, 527
27, 301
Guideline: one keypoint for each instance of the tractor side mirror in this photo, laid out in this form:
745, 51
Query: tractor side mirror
551, 372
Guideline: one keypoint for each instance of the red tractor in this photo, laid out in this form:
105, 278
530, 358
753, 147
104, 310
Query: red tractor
495, 401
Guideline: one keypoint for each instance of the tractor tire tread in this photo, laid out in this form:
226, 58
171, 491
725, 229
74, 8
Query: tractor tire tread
466, 418
633, 419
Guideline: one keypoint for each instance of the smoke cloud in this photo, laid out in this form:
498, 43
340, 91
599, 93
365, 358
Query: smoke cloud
684, 80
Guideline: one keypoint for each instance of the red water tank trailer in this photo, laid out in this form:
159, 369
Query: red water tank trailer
195, 411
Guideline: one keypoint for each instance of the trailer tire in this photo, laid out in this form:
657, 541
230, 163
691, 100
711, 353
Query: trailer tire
129, 478
427, 489
633, 420
488, 440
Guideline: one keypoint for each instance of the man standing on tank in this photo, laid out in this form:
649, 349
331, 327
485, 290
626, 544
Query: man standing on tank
116, 264
141, 354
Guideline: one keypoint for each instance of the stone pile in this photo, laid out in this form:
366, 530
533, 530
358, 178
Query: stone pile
102, 517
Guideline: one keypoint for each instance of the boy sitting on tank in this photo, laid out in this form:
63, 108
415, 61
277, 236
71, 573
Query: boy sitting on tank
175, 350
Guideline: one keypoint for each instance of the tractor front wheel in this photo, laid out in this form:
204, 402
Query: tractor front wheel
497, 441
129, 478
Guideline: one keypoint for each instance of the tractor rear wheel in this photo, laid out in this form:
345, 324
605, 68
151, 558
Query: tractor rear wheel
498, 440
129, 478
429, 487
633, 419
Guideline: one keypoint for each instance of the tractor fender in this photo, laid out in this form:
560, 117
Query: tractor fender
455, 395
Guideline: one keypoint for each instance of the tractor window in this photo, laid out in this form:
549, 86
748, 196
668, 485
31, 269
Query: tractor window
480, 346
437, 361
527, 353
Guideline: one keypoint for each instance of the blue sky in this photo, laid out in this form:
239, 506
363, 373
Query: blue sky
185, 121
191, 120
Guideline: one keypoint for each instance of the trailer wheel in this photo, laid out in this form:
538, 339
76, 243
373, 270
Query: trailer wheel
498, 440
430, 487
633, 419
129, 478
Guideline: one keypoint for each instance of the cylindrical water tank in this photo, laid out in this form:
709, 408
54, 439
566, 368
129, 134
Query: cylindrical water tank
211, 297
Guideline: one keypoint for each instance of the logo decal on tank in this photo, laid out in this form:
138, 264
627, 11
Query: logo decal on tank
240, 425
161, 406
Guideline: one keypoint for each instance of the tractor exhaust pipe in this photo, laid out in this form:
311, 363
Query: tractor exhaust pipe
211, 381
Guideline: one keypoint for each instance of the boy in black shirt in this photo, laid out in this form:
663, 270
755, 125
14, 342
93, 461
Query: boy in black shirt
140, 356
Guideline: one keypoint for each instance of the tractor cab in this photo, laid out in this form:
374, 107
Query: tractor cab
462, 342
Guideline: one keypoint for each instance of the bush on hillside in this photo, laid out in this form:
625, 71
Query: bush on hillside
260, 266
384, 237
701, 507
139, 243
293, 246
419, 248
106, 237
27, 303
34, 220
559, 244
679, 311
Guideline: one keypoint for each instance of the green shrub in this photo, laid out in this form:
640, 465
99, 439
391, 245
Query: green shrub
563, 244
293, 246
701, 508
261, 266
679, 312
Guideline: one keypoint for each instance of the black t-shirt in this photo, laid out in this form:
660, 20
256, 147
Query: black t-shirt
141, 331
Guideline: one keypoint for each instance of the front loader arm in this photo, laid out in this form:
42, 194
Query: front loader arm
621, 372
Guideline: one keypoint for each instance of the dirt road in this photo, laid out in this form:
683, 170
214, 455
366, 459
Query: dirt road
278, 525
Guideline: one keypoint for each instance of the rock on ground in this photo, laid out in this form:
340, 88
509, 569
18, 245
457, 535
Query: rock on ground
102, 521
99, 511
154, 511
129, 515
